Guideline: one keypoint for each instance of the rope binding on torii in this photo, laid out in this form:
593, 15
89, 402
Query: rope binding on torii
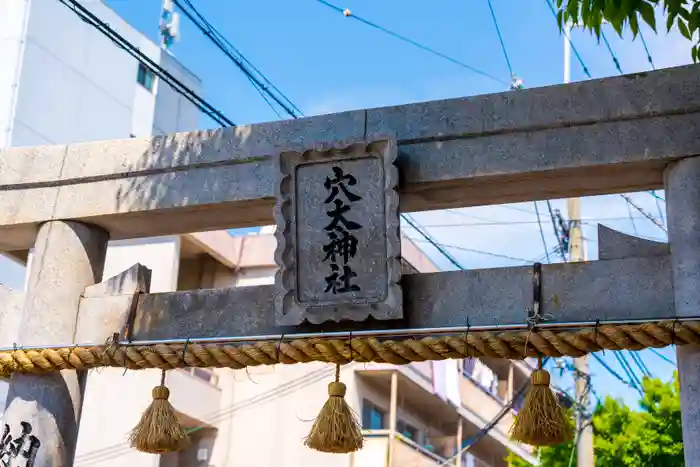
513, 345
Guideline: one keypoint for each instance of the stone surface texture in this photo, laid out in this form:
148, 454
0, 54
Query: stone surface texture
68, 257
594, 137
613, 290
683, 215
115, 309
338, 240
613, 245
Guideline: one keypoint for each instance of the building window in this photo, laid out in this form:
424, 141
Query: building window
408, 430
482, 375
205, 374
372, 416
145, 77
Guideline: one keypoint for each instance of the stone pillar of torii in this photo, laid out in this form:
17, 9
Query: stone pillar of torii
334, 185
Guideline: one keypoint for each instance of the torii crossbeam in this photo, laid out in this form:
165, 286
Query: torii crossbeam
630, 133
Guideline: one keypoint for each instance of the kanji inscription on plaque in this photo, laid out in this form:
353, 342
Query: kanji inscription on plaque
338, 243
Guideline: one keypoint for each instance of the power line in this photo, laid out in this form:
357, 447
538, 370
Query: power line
613, 372
89, 18
632, 379
218, 39
223, 39
432, 241
500, 37
481, 252
590, 220
658, 198
632, 374
653, 219
629, 213
545, 255
571, 43
471, 216
265, 98
514, 208
646, 49
539, 222
662, 357
490, 425
348, 14
637, 359
612, 54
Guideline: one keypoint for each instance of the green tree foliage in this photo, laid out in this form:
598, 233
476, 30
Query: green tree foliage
681, 14
630, 438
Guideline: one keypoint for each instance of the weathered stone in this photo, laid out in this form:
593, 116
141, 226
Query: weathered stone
114, 308
683, 214
613, 290
46, 408
338, 241
613, 244
594, 137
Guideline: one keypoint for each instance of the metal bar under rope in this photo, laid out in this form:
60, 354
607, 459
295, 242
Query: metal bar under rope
408, 332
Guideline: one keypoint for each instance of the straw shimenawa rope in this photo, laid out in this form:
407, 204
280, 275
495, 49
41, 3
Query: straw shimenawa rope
508, 344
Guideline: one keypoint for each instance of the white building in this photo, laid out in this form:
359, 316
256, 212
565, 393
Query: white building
62, 81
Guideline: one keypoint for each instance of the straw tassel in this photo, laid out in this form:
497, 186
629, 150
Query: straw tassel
159, 430
541, 421
337, 428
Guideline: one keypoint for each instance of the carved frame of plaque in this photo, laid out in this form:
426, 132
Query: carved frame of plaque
289, 310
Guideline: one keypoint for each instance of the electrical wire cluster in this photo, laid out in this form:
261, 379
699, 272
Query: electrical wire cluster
259, 81
89, 18
483, 432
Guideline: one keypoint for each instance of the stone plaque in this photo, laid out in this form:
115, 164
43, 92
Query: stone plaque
338, 241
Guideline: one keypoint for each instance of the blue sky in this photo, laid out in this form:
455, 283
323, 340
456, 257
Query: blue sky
326, 63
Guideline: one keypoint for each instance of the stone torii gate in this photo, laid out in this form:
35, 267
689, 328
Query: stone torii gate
623, 134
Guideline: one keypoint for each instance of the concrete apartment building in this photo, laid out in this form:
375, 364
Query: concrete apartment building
60, 82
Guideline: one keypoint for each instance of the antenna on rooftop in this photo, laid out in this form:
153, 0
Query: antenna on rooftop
169, 25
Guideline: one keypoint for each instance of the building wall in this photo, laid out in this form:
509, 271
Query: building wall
161, 255
273, 410
255, 276
174, 112
13, 23
75, 84
204, 272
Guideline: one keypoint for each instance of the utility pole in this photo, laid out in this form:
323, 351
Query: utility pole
169, 25
584, 430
